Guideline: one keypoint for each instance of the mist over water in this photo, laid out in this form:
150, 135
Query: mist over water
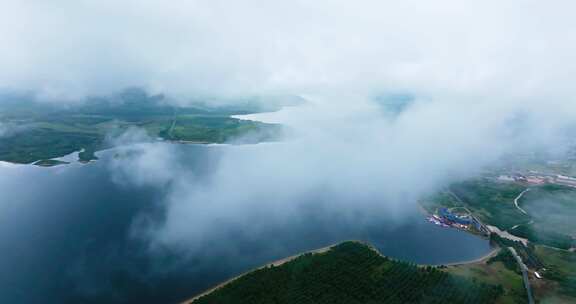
158, 222
403, 99
74, 234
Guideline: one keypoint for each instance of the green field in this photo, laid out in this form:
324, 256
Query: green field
553, 209
352, 273
491, 201
499, 270
218, 129
551, 218
440, 199
561, 269
43, 132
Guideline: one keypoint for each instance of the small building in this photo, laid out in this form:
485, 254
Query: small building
564, 177
449, 216
537, 275
566, 180
536, 180
506, 178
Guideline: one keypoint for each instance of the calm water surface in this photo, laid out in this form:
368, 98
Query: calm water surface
65, 238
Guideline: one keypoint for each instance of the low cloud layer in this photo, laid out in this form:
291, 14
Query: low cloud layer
356, 164
465, 50
9, 129
486, 78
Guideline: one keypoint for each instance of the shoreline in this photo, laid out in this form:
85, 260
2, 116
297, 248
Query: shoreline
494, 251
321, 250
274, 263
4, 163
483, 258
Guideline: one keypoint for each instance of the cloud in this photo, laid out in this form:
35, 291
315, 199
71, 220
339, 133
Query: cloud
4, 130
462, 49
486, 78
8, 129
351, 163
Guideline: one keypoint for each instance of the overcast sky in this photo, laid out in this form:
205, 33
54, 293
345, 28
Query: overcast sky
478, 49
487, 77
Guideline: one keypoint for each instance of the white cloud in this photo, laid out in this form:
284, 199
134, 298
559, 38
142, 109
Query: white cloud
488, 49
474, 66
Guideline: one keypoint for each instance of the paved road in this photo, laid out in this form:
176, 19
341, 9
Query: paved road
524, 275
172, 127
516, 201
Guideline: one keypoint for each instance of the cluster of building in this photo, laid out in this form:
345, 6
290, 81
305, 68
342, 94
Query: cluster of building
538, 178
445, 218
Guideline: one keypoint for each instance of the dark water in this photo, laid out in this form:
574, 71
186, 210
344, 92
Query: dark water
65, 238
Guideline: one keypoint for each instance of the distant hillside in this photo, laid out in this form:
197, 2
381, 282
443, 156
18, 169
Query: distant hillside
34, 131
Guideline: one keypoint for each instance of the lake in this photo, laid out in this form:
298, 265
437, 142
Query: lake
66, 237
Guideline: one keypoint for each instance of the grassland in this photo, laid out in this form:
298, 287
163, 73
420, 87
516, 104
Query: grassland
500, 270
440, 199
560, 274
42, 132
352, 273
491, 201
553, 210
217, 129
44, 143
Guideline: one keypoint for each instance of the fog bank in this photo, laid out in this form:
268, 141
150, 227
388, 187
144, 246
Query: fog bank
481, 79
